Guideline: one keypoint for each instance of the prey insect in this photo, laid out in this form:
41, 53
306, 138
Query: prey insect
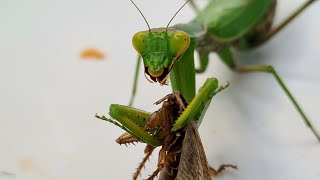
220, 26
174, 128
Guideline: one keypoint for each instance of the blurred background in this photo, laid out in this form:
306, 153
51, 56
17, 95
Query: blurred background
49, 93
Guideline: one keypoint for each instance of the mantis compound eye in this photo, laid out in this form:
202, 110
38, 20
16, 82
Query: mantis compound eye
139, 41
179, 43
155, 73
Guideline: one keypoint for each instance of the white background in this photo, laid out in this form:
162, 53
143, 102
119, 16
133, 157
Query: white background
49, 95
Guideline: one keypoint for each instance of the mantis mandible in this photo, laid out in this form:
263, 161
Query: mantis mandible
174, 128
220, 26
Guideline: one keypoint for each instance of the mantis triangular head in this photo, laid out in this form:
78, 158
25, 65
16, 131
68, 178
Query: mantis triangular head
160, 48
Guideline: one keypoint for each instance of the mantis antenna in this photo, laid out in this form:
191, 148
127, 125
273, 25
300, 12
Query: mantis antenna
141, 15
175, 14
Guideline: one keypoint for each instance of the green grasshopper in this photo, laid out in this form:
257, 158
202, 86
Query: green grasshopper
172, 127
220, 26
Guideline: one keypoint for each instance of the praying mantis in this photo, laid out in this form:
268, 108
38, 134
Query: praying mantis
182, 76
221, 25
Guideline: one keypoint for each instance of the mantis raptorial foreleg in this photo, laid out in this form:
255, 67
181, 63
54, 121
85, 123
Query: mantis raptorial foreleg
167, 127
171, 50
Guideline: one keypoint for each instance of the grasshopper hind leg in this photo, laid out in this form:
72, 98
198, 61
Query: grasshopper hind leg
148, 151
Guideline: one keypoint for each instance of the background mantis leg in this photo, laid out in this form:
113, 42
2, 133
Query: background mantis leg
194, 6
227, 57
135, 80
271, 70
204, 61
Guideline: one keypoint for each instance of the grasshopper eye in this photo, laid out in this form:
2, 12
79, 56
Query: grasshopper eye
139, 41
179, 43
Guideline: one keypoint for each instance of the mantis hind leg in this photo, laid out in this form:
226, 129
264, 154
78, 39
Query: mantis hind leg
203, 61
271, 70
228, 59
284, 23
135, 81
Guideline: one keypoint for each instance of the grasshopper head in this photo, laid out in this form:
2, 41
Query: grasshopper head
159, 49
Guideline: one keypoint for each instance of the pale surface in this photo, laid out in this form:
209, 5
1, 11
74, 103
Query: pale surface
48, 95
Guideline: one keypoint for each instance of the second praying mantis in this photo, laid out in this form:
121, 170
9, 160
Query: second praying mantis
220, 26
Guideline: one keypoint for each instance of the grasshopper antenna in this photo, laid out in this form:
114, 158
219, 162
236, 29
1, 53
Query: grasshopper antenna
141, 15
175, 14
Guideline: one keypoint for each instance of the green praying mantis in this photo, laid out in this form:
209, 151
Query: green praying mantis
220, 26
171, 50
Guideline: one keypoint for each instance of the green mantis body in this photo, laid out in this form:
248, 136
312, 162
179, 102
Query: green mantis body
221, 25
